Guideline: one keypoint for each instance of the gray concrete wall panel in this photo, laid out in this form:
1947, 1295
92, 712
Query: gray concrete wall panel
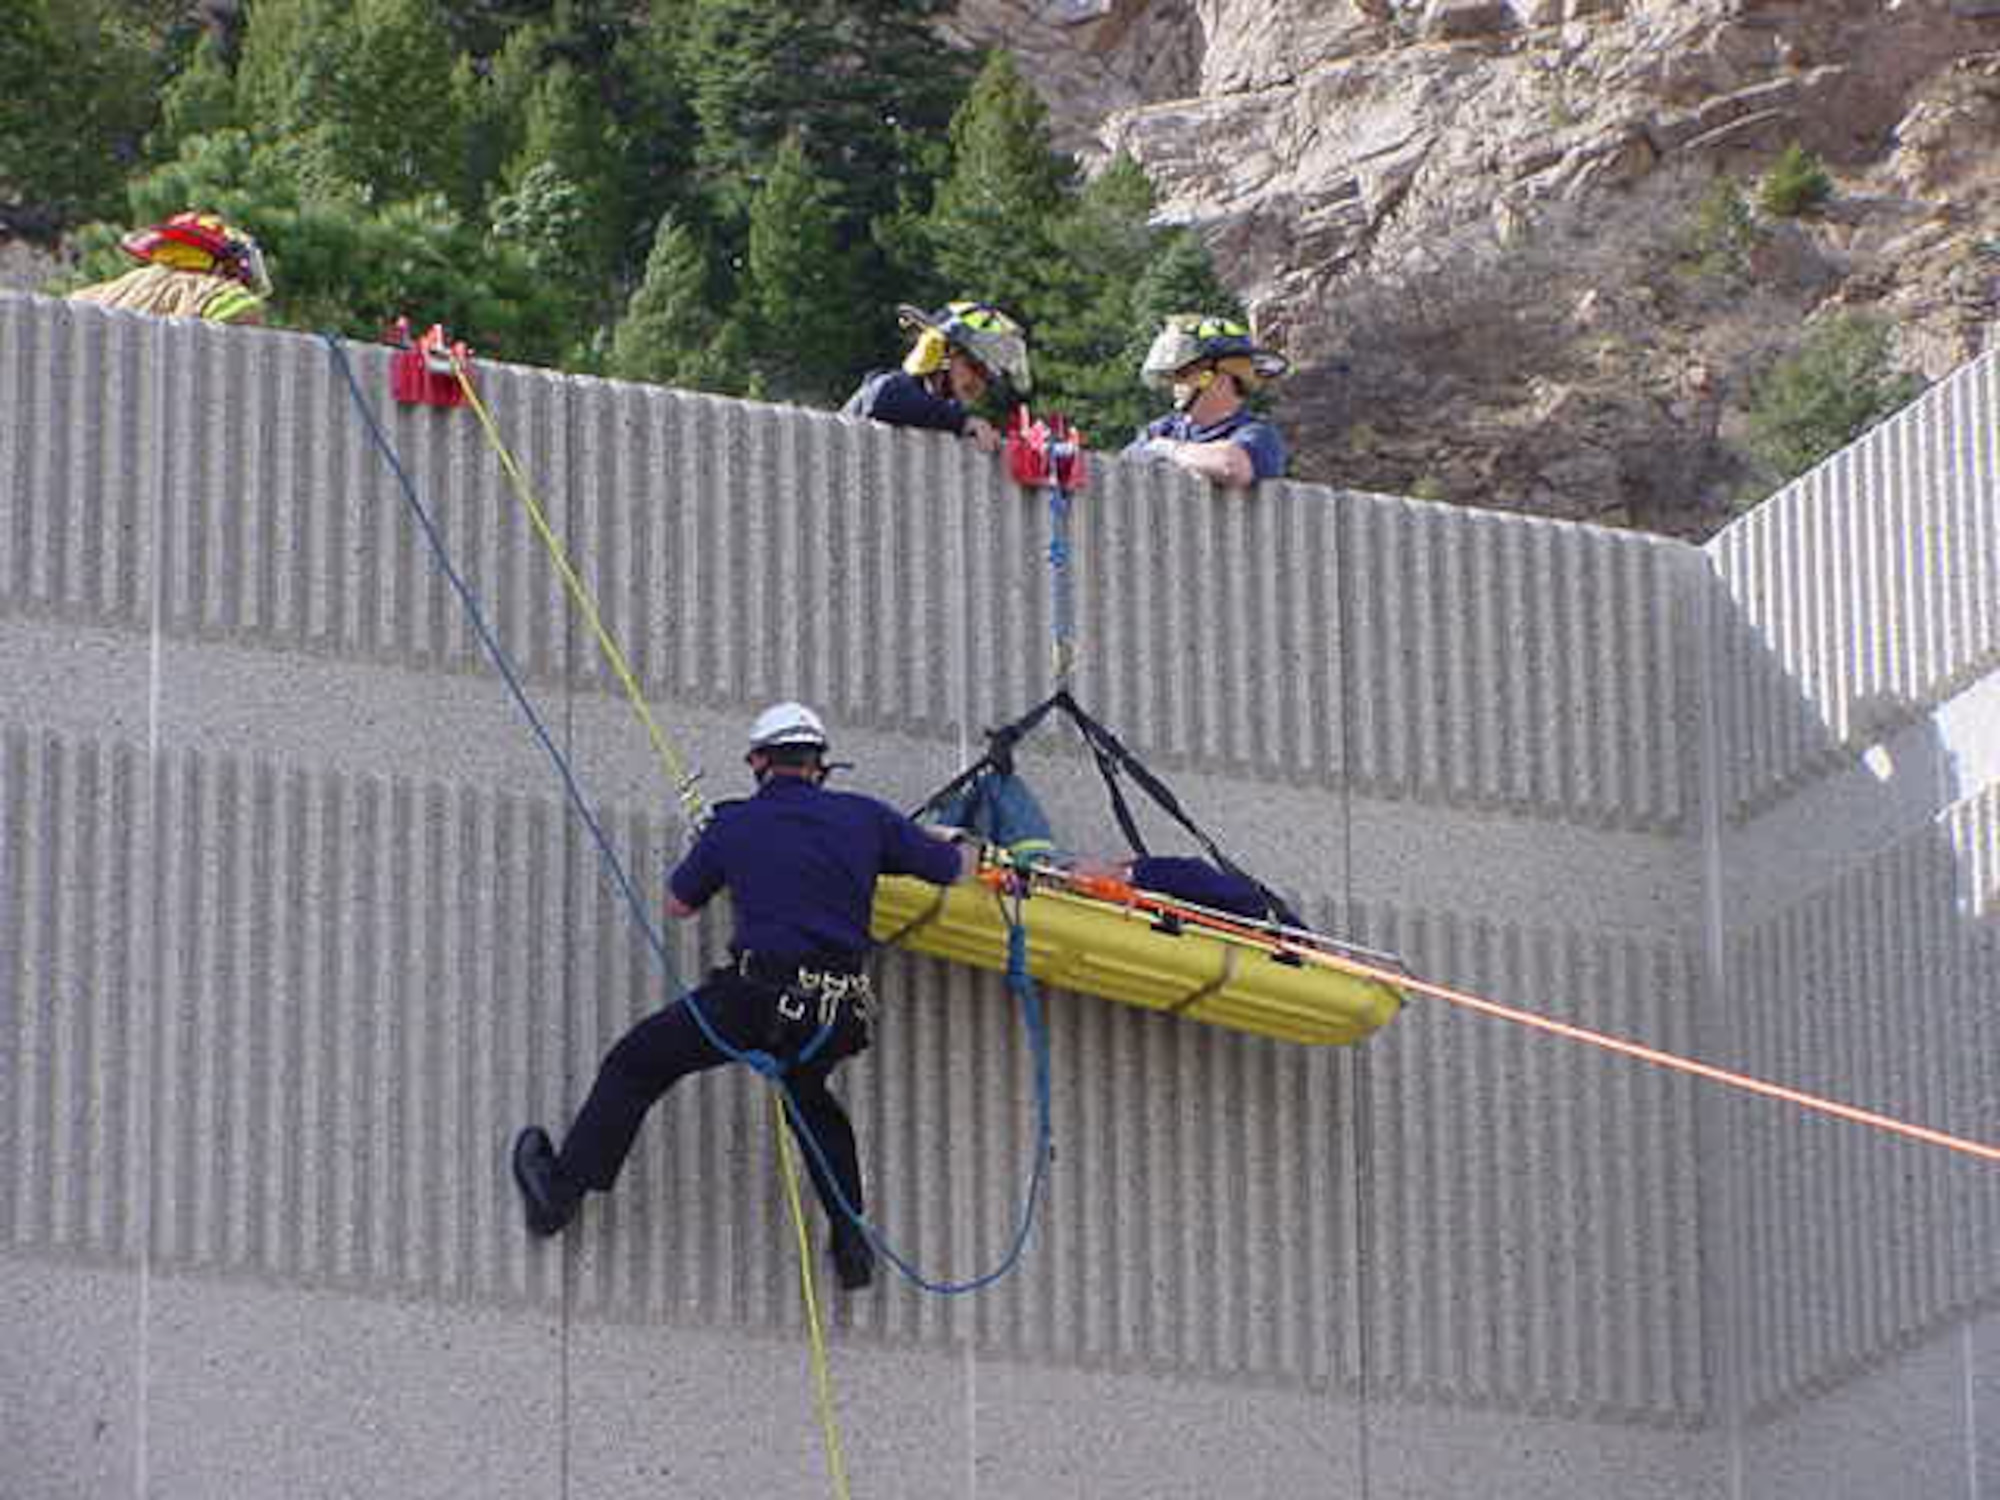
1910, 1427
74, 1417
1871, 991
76, 968
1864, 595
1855, 769
83, 397
1511, 663
1533, 1233
296, 928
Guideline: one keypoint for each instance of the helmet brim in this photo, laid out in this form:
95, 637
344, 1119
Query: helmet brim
1001, 357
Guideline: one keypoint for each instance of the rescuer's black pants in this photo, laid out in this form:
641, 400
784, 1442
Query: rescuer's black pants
667, 1046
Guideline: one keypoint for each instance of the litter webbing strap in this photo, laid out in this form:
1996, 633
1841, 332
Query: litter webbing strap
1112, 757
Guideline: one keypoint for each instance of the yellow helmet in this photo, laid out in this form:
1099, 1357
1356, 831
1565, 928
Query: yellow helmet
981, 332
1196, 338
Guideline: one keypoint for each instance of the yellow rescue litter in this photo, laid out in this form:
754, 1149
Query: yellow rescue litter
1103, 937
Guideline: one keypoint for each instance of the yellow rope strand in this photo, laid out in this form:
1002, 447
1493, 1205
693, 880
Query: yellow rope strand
695, 809
683, 780
822, 1375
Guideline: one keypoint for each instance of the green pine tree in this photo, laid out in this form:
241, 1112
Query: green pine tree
76, 101
567, 136
492, 103
199, 100
797, 294
670, 320
656, 125
866, 87
361, 93
1813, 402
1085, 317
990, 224
283, 47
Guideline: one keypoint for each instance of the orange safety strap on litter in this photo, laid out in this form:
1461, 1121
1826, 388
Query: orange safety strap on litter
1123, 894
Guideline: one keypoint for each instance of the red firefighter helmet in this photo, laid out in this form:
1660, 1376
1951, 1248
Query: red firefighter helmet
199, 241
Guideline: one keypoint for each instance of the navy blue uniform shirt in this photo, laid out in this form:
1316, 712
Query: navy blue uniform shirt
800, 863
1252, 434
900, 398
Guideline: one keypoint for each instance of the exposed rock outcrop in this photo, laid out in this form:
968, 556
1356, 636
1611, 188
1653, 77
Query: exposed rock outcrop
1461, 173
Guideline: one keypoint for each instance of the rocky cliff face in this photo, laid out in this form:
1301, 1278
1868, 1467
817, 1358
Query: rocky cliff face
1477, 224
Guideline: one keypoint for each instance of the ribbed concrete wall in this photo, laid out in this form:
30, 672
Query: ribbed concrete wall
297, 928
1857, 690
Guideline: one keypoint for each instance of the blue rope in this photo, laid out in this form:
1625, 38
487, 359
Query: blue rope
756, 1060
501, 660
1062, 607
1036, 1026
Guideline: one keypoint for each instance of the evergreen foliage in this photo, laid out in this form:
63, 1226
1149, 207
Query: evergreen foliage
670, 322
361, 91
199, 100
1796, 184
1812, 403
75, 104
567, 139
799, 287
991, 224
1725, 233
732, 195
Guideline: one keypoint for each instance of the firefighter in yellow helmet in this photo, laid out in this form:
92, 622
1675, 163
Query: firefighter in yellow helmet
960, 353
193, 265
1210, 365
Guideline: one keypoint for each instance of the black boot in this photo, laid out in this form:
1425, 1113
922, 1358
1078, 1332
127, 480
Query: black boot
549, 1197
853, 1257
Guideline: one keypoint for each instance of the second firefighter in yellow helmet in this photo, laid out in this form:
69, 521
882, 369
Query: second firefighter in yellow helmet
1209, 365
960, 353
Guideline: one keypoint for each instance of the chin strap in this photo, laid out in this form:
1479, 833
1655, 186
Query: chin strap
1194, 389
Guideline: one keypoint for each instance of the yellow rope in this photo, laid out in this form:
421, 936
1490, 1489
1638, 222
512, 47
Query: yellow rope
822, 1374
678, 773
693, 806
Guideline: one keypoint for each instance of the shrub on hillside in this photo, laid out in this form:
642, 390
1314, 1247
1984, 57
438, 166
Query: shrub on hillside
1725, 233
1815, 401
1796, 183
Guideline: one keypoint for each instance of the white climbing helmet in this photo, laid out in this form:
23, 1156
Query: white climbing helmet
787, 724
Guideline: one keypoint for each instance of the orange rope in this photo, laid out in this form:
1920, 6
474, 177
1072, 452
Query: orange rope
1681, 1064
1120, 893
